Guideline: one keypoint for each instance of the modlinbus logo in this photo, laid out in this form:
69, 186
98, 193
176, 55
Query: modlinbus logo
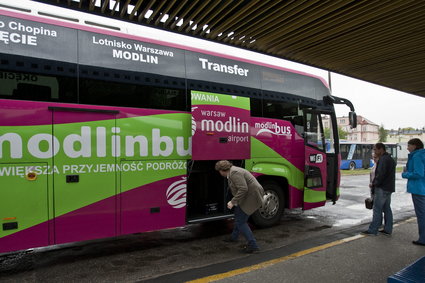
273, 128
80, 144
230, 125
176, 193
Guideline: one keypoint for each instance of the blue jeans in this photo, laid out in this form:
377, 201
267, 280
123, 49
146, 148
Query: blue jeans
419, 204
381, 204
241, 227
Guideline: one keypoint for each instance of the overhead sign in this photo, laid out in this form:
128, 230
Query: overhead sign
34, 39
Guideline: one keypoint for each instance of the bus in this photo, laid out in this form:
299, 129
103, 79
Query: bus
104, 132
358, 155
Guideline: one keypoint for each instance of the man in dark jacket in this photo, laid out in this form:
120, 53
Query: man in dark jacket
383, 186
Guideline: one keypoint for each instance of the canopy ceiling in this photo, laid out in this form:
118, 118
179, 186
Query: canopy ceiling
379, 41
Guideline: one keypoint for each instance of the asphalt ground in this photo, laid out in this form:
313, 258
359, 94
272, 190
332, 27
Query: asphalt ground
346, 256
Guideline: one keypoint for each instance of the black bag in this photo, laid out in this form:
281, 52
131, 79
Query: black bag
368, 203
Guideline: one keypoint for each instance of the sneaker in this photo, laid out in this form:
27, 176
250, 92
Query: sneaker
367, 233
250, 250
418, 243
383, 232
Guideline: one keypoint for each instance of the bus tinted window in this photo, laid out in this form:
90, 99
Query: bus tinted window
131, 95
285, 111
256, 107
37, 87
344, 149
279, 109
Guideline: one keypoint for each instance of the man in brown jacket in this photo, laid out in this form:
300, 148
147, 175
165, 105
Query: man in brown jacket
247, 198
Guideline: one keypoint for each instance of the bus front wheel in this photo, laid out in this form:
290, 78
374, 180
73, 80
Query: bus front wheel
352, 166
272, 209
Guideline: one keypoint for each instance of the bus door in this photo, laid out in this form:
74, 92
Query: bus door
152, 179
366, 155
220, 130
85, 182
25, 130
315, 161
220, 126
23, 203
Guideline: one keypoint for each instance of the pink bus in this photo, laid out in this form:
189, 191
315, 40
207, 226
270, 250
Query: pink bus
106, 133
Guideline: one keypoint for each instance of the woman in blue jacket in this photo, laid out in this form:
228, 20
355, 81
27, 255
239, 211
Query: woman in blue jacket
415, 175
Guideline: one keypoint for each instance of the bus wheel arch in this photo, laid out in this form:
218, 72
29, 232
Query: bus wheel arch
272, 210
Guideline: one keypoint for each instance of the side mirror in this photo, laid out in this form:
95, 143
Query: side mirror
352, 117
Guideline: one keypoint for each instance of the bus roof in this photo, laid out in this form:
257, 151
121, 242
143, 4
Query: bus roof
276, 78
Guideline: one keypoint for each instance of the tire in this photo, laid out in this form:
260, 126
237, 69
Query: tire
271, 212
352, 166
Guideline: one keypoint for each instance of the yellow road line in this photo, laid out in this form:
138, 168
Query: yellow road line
243, 270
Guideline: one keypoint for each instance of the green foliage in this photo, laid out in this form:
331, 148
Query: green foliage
327, 132
341, 133
383, 134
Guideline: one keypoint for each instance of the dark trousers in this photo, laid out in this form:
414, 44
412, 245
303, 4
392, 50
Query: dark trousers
241, 227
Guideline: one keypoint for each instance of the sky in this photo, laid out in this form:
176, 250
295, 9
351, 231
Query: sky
383, 106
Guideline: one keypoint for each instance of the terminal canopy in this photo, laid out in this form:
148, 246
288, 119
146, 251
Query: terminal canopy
382, 42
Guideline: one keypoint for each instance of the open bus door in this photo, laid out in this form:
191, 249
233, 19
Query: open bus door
220, 130
321, 160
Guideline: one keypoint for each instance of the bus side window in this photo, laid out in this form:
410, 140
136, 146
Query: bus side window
93, 91
25, 91
314, 132
298, 123
256, 107
37, 87
279, 109
284, 111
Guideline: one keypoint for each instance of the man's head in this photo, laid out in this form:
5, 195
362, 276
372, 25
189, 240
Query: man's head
379, 149
223, 167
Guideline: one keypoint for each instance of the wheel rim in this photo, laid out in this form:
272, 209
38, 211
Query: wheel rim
271, 206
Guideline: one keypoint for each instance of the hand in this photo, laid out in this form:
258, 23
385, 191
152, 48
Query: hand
370, 186
230, 205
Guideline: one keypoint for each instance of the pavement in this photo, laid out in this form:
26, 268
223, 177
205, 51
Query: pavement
346, 256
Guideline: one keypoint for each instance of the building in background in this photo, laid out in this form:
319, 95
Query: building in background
402, 136
366, 130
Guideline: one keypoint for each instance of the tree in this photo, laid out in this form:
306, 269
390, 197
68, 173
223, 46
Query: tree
341, 133
327, 132
383, 134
